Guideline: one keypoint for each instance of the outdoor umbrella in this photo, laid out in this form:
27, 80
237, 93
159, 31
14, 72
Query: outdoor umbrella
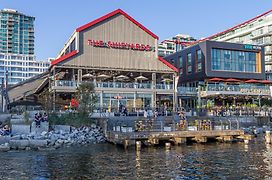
88, 75
121, 77
167, 80
266, 81
232, 80
252, 81
216, 79
141, 78
103, 76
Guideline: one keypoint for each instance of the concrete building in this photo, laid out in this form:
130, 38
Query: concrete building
17, 47
174, 44
256, 31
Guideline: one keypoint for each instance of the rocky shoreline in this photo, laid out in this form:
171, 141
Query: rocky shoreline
53, 139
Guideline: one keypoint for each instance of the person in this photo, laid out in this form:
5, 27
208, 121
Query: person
5, 130
37, 120
45, 117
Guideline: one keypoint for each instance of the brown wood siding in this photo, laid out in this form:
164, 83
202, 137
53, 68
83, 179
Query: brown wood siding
117, 29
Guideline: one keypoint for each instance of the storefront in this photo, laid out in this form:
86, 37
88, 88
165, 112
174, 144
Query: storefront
119, 55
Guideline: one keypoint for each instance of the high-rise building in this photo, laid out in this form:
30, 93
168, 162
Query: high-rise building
17, 47
174, 44
256, 31
16, 33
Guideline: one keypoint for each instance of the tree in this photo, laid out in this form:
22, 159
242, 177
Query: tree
86, 98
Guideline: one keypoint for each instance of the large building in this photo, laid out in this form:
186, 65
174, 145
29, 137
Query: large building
220, 73
174, 44
256, 31
117, 54
17, 57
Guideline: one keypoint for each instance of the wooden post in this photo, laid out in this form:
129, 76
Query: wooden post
267, 137
126, 143
138, 145
167, 146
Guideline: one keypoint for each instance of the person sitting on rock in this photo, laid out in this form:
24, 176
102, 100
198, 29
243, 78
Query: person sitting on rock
5, 131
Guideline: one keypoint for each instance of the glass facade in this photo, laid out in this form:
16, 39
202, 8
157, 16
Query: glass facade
238, 61
16, 33
180, 65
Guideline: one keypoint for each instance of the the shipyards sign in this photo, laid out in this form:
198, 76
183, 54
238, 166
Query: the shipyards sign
120, 45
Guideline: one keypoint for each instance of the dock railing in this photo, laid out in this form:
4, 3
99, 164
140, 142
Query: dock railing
169, 124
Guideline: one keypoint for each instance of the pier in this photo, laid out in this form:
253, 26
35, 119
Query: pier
149, 133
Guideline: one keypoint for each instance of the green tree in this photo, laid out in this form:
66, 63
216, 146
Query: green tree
86, 98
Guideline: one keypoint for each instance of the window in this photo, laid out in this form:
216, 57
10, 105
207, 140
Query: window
198, 61
180, 62
189, 63
238, 61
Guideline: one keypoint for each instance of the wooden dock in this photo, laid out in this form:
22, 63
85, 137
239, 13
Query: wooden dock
174, 137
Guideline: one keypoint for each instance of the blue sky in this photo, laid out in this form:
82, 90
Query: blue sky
57, 19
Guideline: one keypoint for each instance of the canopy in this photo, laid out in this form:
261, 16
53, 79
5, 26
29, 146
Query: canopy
167, 80
122, 77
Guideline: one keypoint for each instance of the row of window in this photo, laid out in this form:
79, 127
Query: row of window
238, 61
189, 64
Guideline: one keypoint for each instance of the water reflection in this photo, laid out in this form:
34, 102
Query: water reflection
104, 161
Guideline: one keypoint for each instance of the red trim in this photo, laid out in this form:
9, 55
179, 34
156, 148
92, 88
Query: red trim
118, 11
62, 58
168, 64
230, 29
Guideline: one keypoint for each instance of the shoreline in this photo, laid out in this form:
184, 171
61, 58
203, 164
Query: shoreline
53, 139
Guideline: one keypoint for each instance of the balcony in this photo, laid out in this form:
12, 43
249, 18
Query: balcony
237, 89
190, 91
71, 85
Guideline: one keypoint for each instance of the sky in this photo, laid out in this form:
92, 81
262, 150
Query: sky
57, 19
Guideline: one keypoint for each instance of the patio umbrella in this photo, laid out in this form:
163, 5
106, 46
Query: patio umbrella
103, 76
121, 77
167, 80
252, 81
266, 82
141, 78
88, 75
232, 80
216, 79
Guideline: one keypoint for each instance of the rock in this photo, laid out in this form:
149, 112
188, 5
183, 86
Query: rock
19, 144
37, 143
44, 133
4, 148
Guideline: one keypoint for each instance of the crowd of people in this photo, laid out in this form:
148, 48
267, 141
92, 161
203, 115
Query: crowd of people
39, 117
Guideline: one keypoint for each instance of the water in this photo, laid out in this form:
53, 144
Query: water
106, 161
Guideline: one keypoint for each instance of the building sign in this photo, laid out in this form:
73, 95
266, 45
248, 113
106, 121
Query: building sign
252, 47
120, 45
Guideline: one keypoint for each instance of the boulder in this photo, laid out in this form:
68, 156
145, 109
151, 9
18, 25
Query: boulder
33, 143
19, 144
20, 129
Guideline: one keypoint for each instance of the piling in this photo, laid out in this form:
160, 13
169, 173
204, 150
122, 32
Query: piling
138, 145
267, 137
167, 146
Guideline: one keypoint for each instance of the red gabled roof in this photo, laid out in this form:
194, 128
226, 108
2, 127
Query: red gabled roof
168, 64
118, 11
62, 58
230, 29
